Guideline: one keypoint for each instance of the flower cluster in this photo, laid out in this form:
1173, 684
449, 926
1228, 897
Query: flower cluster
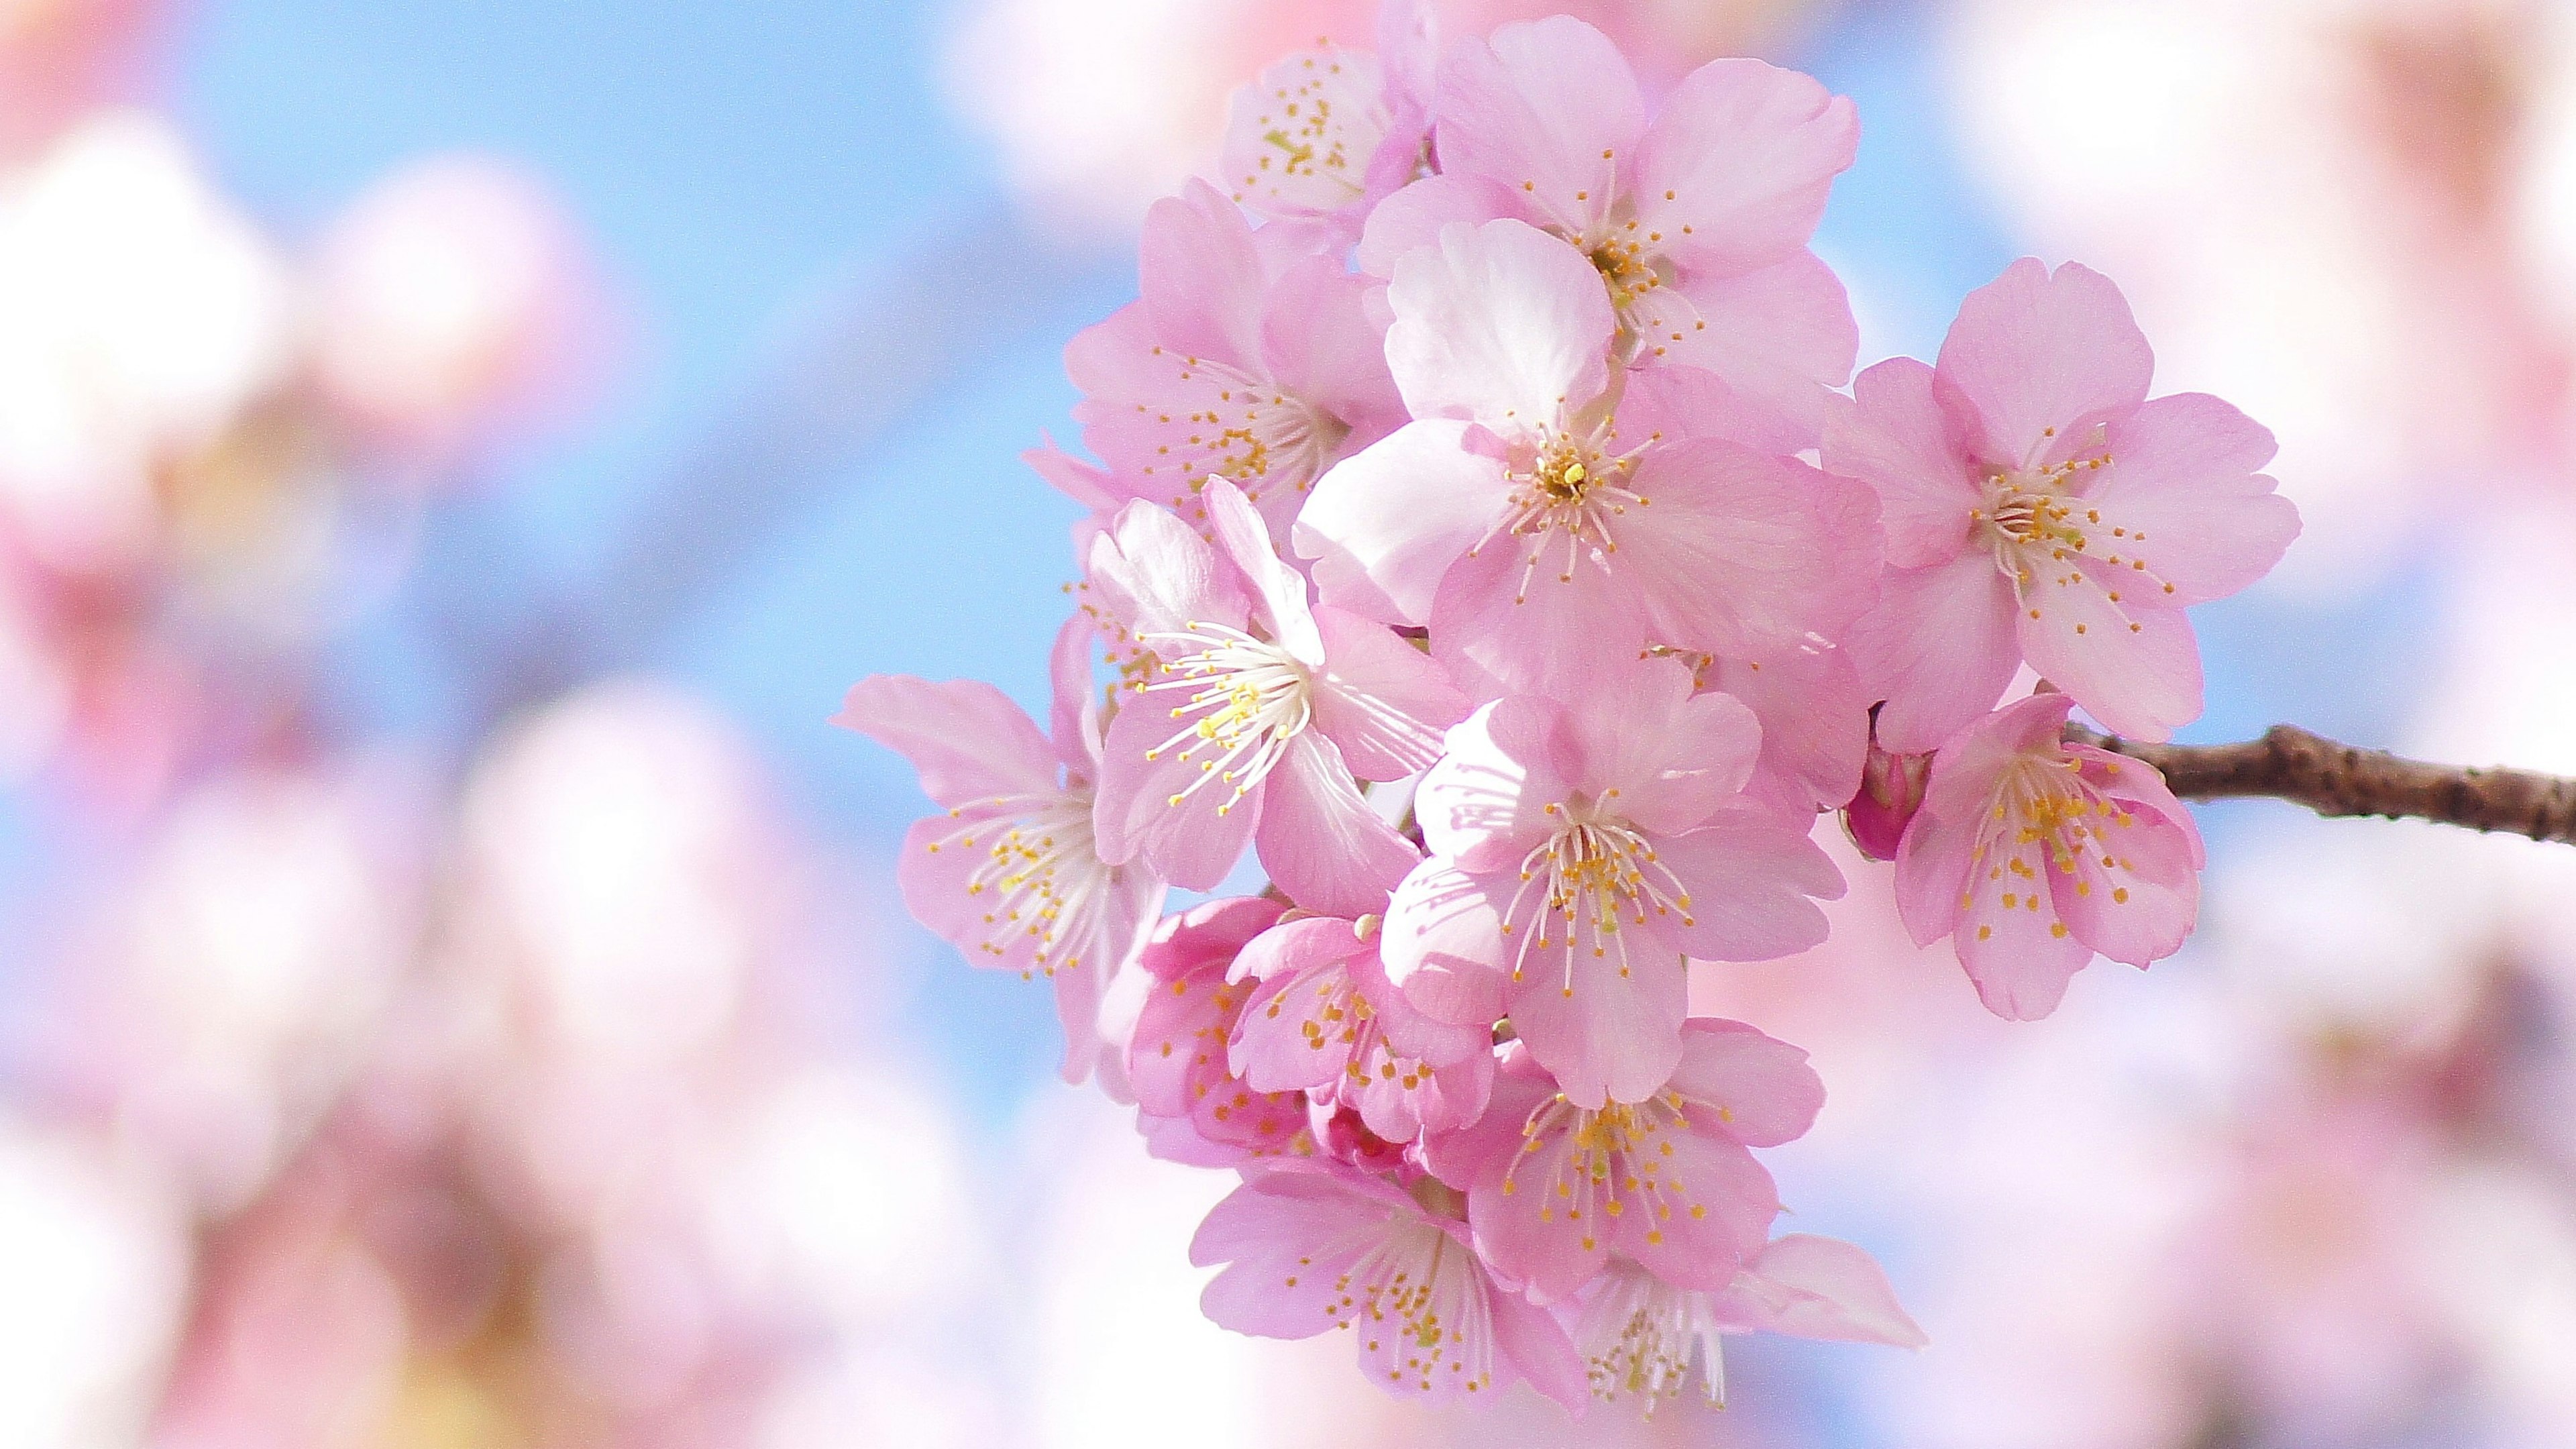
1481, 538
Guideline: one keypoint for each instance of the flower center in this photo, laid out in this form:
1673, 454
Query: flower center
2048, 817
1245, 699
1596, 874
1571, 493
1639, 1336
1251, 433
1599, 1164
1625, 269
1038, 872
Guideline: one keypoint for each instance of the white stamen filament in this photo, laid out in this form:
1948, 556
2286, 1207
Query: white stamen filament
1640, 1335
1413, 1290
1596, 875
1040, 873
1248, 698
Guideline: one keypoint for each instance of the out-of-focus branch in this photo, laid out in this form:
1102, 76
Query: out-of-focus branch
2332, 778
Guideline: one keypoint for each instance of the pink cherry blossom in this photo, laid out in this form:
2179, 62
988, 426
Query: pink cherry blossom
1193, 1106
1641, 1335
1550, 508
1253, 712
1249, 356
1579, 856
1694, 221
1308, 1250
1325, 134
2032, 855
1011, 874
2038, 507
1324, 1020
1554, 1189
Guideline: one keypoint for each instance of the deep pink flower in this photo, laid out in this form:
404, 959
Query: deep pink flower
1640, 1335
2032, 855
1579, 855
1695, 223
1248, 356
1312, 1249
1190, 1102
2038, 507
1550, 508
1011, 874
1554, 1189
1254, 712
1324, 1020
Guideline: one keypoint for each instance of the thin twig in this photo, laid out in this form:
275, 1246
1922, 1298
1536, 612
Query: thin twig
2331, 778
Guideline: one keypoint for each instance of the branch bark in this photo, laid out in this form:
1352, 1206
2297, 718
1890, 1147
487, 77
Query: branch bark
2334, 779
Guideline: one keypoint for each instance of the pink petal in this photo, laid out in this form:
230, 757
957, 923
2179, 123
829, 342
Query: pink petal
1297, 1030
1757, 1089
1319, 839
1782, 337
1750, 882
1547, 106
1320, 342
1537, 1346
1892, 435
1091, 486
1384, 526
1383, 701
1669, 755
2009, 936
1201, 279
1722, 1205
2033, 353
2139, 787
1075, 717
1443, 944
1193, 843
1932, 862
1678, 401
966, 738
1485, 804
1414, 217
2140, 904
1501, 324
1736, 169
1813, 1287
1608, 1027
1939, 647
1815, 726
2136, 669
1742, 555
1279, 589
1161, 576
1516, 616
2183, 483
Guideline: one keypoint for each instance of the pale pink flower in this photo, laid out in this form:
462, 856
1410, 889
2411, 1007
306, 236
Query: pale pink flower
1554, 1189
1579, 856
1531, 529
1254, 712
1011, 874
1640, 1335
2038, 507
1313, 1249
2032, 854
1249, 356
1694, 220
1191, 1102
1325, 1020
1325, 134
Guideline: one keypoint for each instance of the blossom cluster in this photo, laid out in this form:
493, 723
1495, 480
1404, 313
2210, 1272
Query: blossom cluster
1481, 536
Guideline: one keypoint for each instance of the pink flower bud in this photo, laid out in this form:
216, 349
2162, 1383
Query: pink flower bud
1891, 788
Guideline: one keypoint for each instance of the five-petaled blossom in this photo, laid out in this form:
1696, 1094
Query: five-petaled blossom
1554, 1189
1010, 875
1549, 509
1474, 530
1579, 856
1253, 712
1308, 1251
2039, 507
2032, 854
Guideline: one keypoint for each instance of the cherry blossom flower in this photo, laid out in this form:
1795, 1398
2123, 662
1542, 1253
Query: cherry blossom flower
1192, 1104
1272, 707
1554, 1189
1694, 220
1011, 874
2039, 507
1579, 856
1325, 1020
1250, 356
1309, 1250
1533, 532
1641, 1335
1326, 134
2032, 855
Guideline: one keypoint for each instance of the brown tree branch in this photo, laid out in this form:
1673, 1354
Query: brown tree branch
2289, 763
